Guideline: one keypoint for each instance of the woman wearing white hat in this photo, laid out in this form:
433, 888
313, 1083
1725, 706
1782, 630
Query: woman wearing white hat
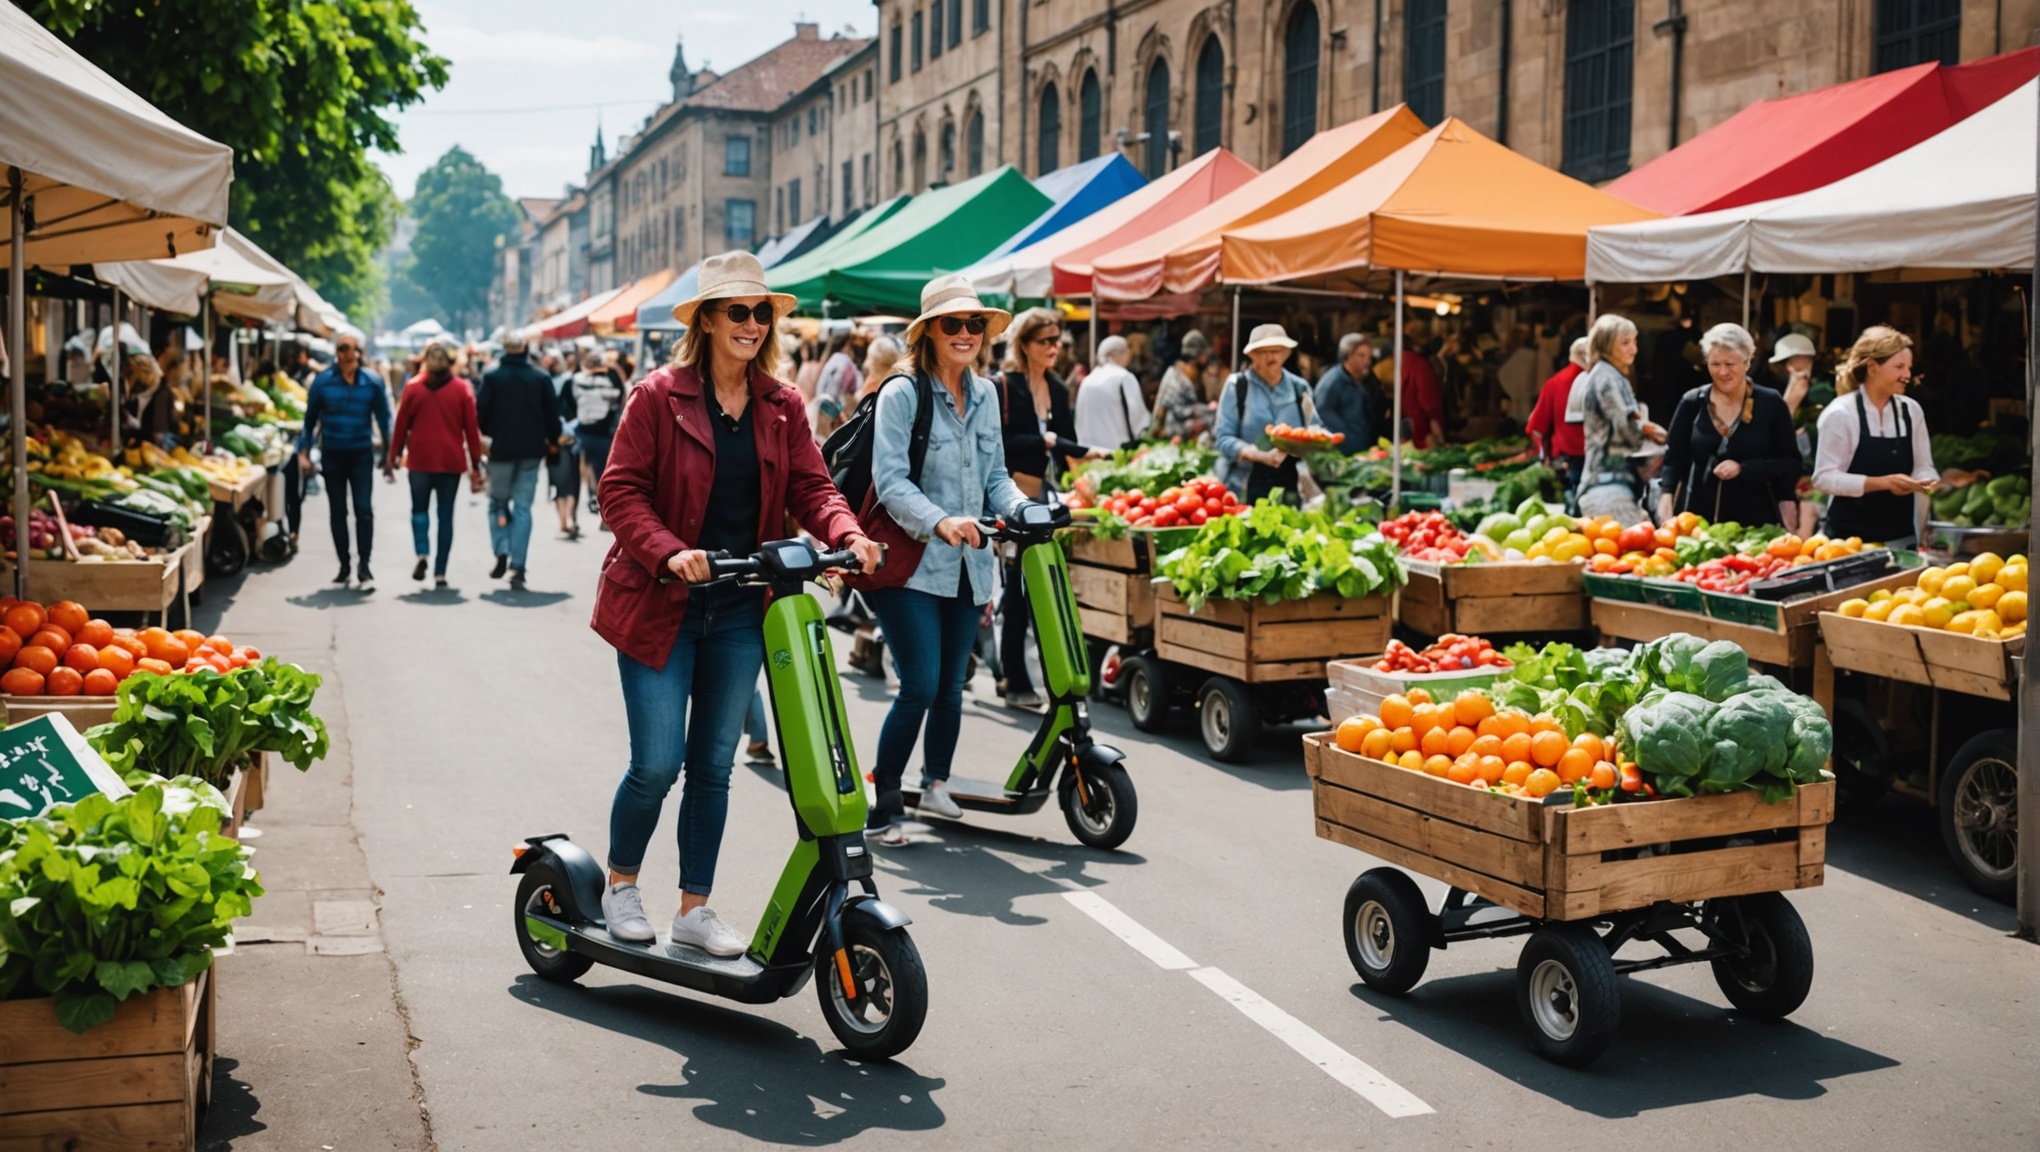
1266, 393
931, 620
712, 453
1793, 355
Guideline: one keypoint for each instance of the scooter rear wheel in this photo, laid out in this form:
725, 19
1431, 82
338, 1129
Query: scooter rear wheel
891, 990
546, 957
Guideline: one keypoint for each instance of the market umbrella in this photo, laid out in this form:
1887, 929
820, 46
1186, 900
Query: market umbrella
1061, 264
620, 313
1076, 193
572, 321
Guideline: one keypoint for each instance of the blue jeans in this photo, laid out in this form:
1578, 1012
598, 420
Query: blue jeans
757, 723
350, 471
931, 638
424, 487
512, 486
595, 452
722, 639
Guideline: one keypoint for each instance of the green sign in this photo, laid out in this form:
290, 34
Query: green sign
45, 762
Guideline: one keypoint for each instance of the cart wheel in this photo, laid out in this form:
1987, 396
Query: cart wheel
1773, 979
543, 950
1980, 813
1226, 718
1859, 739
226, 548
1389, 930
1147, 693
1565, 987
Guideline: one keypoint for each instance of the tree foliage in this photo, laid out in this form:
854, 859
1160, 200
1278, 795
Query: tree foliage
461, 211
299, 92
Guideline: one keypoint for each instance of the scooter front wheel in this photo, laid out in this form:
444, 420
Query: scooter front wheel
888, 999
1102, 812
544, 948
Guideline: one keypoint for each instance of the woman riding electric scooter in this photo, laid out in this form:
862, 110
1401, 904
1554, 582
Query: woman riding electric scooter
712, 453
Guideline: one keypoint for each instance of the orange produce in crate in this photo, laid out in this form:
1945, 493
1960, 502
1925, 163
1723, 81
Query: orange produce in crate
22, 682
65, 682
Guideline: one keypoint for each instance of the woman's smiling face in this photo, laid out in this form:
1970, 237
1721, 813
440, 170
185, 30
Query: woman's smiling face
960, 349
733, 342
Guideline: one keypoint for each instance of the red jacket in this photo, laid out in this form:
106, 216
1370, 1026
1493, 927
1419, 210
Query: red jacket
435, 428
1547, 423
654, 493
1423, 402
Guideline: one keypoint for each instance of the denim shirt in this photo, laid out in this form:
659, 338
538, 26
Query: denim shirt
1290, 403
964, 474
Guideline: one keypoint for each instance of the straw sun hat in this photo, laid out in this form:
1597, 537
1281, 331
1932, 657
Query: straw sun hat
1267, 336
1792, 344
950, 295
727, 277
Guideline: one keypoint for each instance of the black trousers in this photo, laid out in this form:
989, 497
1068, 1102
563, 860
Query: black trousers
350, 473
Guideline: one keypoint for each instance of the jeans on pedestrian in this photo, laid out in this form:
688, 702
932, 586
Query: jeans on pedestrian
512, 486
595, 451
931, 638
293, 496
757, 721
350, 472
425, 486
706, 684
1013, 631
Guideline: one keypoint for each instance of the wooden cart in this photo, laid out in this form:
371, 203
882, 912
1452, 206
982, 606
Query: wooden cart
1113, 585
150, 587
1580, 882
1492, 599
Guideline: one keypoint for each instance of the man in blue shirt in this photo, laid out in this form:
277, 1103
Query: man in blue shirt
347, 402
1348, 399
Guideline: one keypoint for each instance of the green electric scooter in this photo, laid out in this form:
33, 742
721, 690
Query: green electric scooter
1088, 778
868, 974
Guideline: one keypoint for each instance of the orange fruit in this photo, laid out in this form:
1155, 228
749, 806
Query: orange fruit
1516, 747
117, 660
173, 652
1492, 768
1574, 764
1511, 721
53, 638
1439, 766
1458, 740
1458, 773
1593, 745
82, 657
1413, 760
189, 637
1351, 731
152, 665
1426, 718
1542, 782
131, 644
22, 682
1404, 740
1522, 768
1517, 775
1419, 696
65, 682
10, 643
1489, 745
1602, 777
1472, 707
1545, 722
38, 658
69, 615
1547, 747
1395, 711
100, 682
1605, 547
220, 644
97, 633
1435, 742
26, 619
1489, 726
1374, 746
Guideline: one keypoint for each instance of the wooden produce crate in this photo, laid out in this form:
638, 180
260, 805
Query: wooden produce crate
1256, 642
194, 557
1488, 599
82, 711
1115, 604
148, 586
1790, 642
137, 1083
1355, 684
1923, 656
236, 495
1557, 862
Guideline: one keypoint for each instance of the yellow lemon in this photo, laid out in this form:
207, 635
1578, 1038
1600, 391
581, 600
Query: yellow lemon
1811, 544
2011, 607
1881, 609
1909, 596
1853, 609
2012, 577
1964, 622
2017, 628
1936, 613
1908, 615
1986, 620
1930, 580
1880, 594
1985, 596
2016, 558
1959, 568
1985, 567
1958, 587
1983, 633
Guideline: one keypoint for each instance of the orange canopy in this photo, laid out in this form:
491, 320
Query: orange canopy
620, 313
1184, 256
1454, 203
1188, 189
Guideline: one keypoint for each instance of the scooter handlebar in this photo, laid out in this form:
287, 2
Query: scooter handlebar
724, 568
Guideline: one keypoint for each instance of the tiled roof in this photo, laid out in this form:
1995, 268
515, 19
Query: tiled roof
765, 83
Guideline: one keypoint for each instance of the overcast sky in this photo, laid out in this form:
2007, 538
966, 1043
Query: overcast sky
527, 75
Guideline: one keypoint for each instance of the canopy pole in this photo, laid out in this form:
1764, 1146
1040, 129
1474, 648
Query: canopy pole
1094, 332
115, 362
1593, 304
2029, 684
1395, 420
205, 370
17, 368
1746, 299
1235, 349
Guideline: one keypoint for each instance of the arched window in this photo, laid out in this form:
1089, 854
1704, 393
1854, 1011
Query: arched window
1299, 77
1048, 129
899, 168
1157, 156
1208, 121
974, 143
1600, 58
945, 162
920, 160
1088, 115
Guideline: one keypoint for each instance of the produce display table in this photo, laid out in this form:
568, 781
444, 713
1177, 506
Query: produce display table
1255, 642
1947, 660
82, 711
1490, 599
148, 586
236, 495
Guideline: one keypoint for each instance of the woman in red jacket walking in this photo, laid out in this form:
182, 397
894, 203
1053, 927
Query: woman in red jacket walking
712, 453
437, 439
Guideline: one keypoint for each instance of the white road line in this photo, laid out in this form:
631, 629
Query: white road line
1337, 1063
1126, 928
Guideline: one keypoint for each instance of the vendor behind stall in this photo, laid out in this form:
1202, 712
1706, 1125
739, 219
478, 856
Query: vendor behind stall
1265, 393
1872, 455
1731, 454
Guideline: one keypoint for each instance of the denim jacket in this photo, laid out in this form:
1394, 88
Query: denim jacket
1287, 403
964, 474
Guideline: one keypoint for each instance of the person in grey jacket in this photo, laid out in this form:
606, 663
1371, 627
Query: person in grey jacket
1266, 393
1348, 399
520, 415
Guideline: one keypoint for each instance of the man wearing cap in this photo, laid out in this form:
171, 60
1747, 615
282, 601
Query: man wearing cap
1792, 358
519, 414
1266, 393
1180, 411
1344, 402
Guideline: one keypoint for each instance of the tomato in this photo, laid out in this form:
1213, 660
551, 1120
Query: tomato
1168, 517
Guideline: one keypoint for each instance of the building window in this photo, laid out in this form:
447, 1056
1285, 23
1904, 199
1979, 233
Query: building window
899, 168
893, 56
955, 22
867, 179
1157, 155
914, 60
815, 110
1909, 32
945, 166
793, 215
980, 17
974, 143
1209, 119
869, 71
1048, 131
920, 160
740, 222
935, 30
779, 209
1299, 77
1600, 52
1423, 71
1088, 99
737, 156
849, 186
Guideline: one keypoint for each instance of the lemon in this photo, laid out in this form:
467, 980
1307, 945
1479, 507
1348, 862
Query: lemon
1853, 609
1964, 623
1987, 634
1985, 567
1930, 580
2012, 577
1880, 594
2014, 629
1986, 620
2016, 558
1907, 615
1909, 595
1881, 610
1936, 613
1958, 587
2011, 607
1959, 568
1985, 596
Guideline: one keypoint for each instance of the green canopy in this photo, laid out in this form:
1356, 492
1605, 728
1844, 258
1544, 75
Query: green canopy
863, 222
883, 267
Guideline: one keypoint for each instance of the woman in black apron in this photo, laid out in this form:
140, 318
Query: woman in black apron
1245, 412
1872, 457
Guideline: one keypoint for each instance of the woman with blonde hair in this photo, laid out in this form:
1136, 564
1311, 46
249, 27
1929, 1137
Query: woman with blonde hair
1616, 430
880, 357
1872, 458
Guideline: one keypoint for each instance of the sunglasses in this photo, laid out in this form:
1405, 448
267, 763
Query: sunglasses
1048, 338
745, 313
951, 325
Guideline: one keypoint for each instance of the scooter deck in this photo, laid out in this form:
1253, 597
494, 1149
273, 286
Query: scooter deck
738, 978
984, 796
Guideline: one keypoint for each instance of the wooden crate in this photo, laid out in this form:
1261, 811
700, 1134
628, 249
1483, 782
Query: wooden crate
1115, 604
1923, 656
1489, 599
149, 586
1256, 642
255, 784
134, 1084
1087, 548
82, 711
1360, 685
194, 557
1791, 643
1564, 863
237, 494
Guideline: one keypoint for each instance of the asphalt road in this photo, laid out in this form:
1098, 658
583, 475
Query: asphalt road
1188, 991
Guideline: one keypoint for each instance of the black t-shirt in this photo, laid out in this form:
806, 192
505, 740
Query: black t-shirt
731, 524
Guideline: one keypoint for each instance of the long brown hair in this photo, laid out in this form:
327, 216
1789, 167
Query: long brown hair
1877, 344
1025, 327
692, 349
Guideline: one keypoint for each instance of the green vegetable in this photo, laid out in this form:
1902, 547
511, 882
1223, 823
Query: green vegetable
1667, 734
1150, 468
205, 724
1276, 553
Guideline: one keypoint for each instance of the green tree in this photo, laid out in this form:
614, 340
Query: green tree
461, 212
298, 90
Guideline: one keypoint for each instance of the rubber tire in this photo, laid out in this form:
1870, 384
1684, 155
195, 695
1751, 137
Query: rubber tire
1777, 931
1410, 925
1154, 716
895, 949
1997, 744
1242, 722
559, 968
1597, 999
1111, 778
226, 548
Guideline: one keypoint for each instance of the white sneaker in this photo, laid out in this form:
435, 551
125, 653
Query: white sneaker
623, 910
703, 929
935, 798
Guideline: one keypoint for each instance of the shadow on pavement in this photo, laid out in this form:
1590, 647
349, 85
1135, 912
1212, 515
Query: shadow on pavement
1673, 1050
1276, 762
509, 599
233, 1110
334, 597
752, 1076
955, 873
1896, 842
434, 596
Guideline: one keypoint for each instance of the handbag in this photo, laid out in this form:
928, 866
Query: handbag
902, 550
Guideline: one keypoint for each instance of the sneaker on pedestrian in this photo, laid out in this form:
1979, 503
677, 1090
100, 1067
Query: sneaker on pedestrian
418, 569
703, 929
623, 911
364, 579
759, 752
439, 583
935, 798
892, 836
1027, 700
502, 562
293, 543
517, 579
346, 575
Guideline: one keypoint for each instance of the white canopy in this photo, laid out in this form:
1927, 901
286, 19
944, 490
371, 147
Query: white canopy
243, 279
1963, 199
110, 177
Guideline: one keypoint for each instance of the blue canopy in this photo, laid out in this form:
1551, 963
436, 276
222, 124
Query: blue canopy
656, 314
1078, 191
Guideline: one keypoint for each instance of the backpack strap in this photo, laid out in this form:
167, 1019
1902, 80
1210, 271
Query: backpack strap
924, 418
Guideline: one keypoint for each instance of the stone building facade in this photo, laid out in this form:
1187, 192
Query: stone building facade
824, 144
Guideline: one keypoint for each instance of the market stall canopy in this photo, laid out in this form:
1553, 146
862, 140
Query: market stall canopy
620, 313
1077, 192
1183, 257
1777, 148
573, 321
805, 238
1452, 204
108, 176
885, 266
1060, 264
864, 222
243, 279
1951, 202
308, 311
656, 314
